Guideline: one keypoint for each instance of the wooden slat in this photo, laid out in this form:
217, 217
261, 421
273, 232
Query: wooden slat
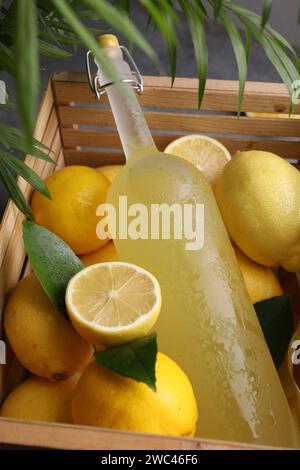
156, 120
219, 95
105, 140
63, 436
93, 159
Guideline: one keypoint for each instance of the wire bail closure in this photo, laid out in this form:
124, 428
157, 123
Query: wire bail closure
98, 89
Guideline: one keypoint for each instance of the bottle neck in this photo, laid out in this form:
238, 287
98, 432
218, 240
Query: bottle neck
133, 130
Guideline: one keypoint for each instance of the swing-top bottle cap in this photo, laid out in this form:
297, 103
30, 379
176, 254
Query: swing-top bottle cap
127, 68
108, 40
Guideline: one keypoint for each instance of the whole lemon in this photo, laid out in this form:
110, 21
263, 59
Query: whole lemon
41, 338
110, 171
39, 399
258, 194
104, 254
261, 282
76, 192
106, 399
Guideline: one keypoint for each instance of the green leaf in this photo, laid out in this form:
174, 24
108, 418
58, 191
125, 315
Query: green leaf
52, 260
27, 66
59, 26
267, 7
248, 42
46, 30
240, 54
165, 24
14, 191
53, 51
121, 23
201, 6
217, 8
87, 15
7, 59
123, 5
169, 10
61, 37
8, 105
12, 137
276, 319
286, 61
27, 173
250, 16
135, 360
269, 43
195, 19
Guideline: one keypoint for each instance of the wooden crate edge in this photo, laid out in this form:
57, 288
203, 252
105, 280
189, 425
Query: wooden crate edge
187, 82
73, 437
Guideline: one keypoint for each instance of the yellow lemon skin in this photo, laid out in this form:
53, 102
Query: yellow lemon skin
258, 194
76, 192
261, 282
104, 254
39, 399
42, 339
105, 399
110, 171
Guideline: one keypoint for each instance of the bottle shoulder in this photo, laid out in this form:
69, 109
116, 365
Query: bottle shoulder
165, 163
161, 178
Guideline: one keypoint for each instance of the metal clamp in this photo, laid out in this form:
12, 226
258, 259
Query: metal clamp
98, 89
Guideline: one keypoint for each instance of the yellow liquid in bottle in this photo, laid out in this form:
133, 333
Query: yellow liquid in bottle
207, 323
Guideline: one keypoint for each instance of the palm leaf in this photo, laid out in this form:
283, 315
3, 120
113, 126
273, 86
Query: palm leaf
277, 61
168, 9
50, 50
201, 6
14, 138
14, 191
7, 59
27, 173
217, 5
121, 23
164, 23
62, 38
273, 46
27, 71
85, 36
59, 26
267, 7
195, 19
239, 51
249, 15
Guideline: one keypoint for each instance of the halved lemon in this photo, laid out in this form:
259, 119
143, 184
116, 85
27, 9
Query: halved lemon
113, 303
206, 153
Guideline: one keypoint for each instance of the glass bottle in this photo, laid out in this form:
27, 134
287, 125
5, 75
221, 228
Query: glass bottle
207, 323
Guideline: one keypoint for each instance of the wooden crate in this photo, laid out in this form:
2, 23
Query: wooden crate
79, 130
